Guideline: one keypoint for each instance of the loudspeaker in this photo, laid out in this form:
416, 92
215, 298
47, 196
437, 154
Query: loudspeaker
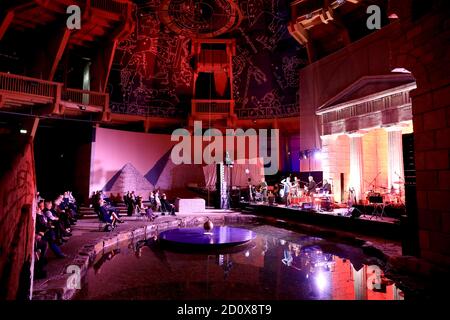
220, 185
307, 206
354, 212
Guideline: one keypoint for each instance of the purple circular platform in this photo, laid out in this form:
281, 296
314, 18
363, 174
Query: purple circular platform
198, 237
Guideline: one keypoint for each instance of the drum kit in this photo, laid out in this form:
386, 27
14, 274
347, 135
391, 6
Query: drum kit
382, 195
379, 199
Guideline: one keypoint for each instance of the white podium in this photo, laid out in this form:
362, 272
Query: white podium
184, 206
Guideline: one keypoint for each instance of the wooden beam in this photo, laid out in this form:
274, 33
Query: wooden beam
59, 47
6, 22
337, 21
308, 43
34, 127
101, 67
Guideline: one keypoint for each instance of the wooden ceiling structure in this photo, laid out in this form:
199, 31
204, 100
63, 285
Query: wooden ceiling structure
325, 26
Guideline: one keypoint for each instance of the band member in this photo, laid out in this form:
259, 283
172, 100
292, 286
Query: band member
326, 187
311, 185
295, 187
251, 190
286, 189
263, 189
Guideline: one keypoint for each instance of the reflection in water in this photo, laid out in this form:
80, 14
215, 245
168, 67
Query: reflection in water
279, 265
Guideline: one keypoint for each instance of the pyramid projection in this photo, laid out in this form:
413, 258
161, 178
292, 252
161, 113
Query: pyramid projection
128, 179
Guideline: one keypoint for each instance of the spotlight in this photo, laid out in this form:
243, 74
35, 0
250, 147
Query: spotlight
321, 281
23, 131
393, 16
318, 155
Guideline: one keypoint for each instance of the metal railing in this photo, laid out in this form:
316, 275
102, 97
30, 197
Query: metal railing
26, 85
212, 106
110, 5
87, 98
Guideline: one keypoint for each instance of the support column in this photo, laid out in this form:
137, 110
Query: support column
395, 158
356, 165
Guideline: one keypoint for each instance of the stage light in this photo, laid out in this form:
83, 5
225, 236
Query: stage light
321, 281
318, 155
400, 70
23, 131
393, 16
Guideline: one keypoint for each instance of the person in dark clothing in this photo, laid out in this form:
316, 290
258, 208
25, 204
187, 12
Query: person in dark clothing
311, 185
326, 187
61, 226
40, 259
166, 206
106, 215
46, 230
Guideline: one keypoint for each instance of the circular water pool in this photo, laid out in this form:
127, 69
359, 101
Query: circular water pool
278, 265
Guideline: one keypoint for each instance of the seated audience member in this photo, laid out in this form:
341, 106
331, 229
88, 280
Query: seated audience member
106, 215
38, 197
46, 231
70, 203
145, 210
40, 259
60, 226
62, 210
166, 206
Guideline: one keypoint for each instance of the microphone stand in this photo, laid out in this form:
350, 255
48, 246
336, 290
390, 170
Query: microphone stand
373, 182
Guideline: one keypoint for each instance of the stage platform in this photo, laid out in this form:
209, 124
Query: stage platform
386, 227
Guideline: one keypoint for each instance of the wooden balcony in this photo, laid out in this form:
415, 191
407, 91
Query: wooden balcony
213, 107
221, 112
17, 92
101, 18
86, 100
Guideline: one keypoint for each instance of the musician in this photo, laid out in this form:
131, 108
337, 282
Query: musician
251, 190
326, 187
295, 187
263, 189
311, 185
286, 189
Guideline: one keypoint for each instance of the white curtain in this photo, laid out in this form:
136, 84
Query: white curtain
237, 174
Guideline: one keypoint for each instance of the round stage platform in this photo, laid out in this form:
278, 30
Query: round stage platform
218, 237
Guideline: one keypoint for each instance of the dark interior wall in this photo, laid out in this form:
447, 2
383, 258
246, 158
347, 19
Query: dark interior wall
63, 156
17, 187
421, 46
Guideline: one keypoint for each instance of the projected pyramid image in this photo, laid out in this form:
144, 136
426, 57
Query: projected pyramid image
128, 179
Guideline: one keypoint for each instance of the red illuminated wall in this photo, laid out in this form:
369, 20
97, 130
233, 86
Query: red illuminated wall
17, 189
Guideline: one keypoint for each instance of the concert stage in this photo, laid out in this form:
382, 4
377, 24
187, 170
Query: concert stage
385, 227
